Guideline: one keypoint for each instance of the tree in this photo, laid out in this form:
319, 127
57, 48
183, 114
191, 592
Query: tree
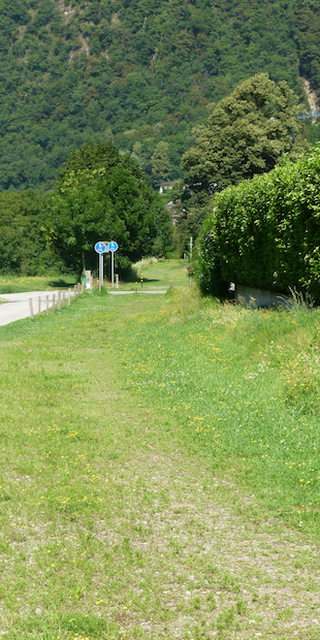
102, 195
247, 133
152, 63
160, 164
25, 234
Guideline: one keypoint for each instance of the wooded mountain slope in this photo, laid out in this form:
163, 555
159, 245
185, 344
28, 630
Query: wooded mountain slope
136, 72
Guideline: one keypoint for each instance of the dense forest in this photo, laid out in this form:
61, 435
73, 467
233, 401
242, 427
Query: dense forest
138, 73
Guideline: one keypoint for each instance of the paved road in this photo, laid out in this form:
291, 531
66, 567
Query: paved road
16, 305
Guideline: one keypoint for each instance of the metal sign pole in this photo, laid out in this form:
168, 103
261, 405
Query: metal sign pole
112, 247
100, 270
100, 248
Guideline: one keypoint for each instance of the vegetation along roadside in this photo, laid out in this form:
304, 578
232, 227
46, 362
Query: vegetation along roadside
160, 473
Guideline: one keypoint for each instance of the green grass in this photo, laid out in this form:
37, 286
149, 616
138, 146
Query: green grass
144, 489
244, 385
156, 275
163, 272
19, 284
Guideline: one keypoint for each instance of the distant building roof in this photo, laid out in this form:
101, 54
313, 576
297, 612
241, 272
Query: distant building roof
166, 185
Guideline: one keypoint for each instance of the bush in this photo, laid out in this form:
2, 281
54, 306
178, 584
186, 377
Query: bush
207, 266
25, 235
266, 232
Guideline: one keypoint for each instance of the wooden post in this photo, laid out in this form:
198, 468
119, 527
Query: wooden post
31, 308
69, 297
78, 288
82, 286
75, 292
53, 303
39, 306
117, 281
59, 300
63, 298
47, 305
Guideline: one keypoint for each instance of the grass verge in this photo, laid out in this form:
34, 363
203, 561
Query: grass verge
20, 284
127, 509
243, 386
152, 274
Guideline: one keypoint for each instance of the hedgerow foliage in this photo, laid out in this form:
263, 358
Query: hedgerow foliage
265, 232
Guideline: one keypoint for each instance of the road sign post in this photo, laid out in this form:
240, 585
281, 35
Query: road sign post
100, 270
112, 268
112, 248
101, 248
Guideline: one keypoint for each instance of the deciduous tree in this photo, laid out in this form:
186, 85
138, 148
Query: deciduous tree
160, 163
247, 134
102, 195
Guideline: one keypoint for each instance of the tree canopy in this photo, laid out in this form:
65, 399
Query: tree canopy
102, 195
160, 163
136, 73
247, 134
26, 234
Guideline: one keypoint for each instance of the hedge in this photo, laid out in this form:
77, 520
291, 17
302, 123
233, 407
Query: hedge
265, 232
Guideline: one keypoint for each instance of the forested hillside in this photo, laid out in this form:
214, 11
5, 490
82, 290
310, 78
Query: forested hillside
139, 73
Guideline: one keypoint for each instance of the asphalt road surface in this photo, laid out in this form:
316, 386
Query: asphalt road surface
17, 306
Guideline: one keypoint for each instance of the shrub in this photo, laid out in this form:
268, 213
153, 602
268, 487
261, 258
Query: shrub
266, 232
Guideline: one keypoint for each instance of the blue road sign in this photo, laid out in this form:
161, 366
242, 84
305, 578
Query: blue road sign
113, 246
100, 247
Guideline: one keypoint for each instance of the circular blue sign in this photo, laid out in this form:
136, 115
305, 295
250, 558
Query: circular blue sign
113, 246
100, 247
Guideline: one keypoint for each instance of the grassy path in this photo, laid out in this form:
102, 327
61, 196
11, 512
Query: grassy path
115, 524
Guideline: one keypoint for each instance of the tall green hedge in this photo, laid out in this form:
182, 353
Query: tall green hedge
266, 232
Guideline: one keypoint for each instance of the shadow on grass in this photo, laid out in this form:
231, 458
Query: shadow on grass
61, 284
130, 275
